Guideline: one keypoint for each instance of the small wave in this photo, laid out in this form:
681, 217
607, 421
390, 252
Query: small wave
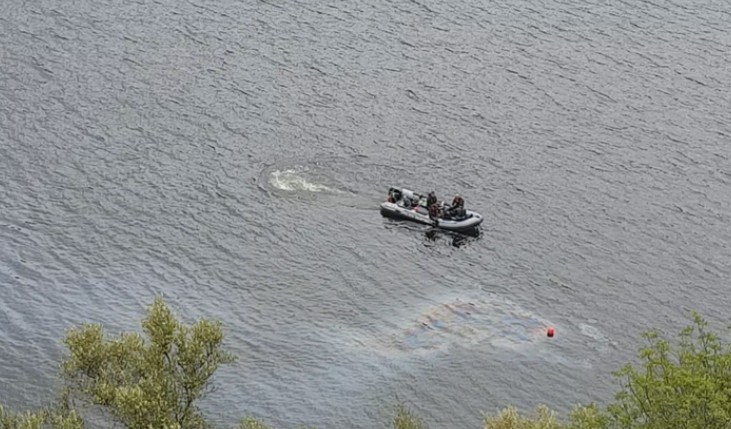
600, 341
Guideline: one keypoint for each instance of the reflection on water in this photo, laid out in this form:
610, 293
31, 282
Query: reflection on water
456, 239
118, 121
435, 236
490, 321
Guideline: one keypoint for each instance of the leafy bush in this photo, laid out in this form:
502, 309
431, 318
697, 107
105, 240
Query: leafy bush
147, 384
156, 380
688, 388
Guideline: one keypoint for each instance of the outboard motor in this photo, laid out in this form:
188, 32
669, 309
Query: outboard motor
393, 195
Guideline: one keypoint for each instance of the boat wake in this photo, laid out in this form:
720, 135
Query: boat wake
308, 183
299, 180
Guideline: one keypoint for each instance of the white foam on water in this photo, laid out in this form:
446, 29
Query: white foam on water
293, 180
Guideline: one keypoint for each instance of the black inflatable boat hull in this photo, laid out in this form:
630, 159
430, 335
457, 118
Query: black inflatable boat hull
420, 214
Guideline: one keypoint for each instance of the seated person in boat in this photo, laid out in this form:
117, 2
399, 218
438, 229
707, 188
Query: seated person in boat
456, 210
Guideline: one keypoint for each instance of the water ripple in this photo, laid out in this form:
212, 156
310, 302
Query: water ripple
231, 155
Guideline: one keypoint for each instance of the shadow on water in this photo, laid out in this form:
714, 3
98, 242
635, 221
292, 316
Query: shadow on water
457, 239
435, 236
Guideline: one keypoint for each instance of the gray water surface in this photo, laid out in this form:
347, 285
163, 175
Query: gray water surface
231, 156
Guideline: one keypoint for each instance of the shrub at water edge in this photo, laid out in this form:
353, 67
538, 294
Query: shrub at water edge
157, 380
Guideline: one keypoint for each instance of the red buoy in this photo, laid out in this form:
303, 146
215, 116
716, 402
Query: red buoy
550, 331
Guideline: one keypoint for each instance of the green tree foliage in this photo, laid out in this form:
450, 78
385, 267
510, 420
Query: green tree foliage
252, 423
10, 420
404, 418
510, 418
155, 379
689, 388
39, 420
686, 387
588, 417
582, 417
147, 384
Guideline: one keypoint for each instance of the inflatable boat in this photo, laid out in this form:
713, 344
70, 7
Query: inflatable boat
407, 205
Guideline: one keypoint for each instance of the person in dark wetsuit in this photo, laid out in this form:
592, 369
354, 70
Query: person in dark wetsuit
432, 205
456, 210
431, 199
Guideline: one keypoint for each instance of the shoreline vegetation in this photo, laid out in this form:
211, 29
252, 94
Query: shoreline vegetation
155, 379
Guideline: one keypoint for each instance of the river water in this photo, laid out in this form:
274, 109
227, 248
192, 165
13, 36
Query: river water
230, 156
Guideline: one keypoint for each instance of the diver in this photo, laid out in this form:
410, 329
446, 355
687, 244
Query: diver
431, 199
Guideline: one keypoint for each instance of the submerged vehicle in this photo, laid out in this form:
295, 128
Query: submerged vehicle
405, 204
